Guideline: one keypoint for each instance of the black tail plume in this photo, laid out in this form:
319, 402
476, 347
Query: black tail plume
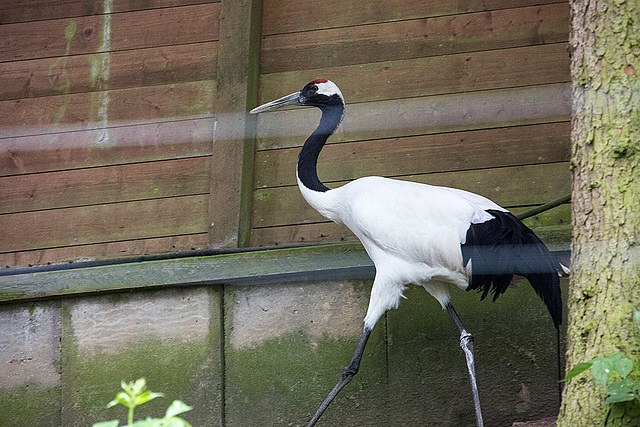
504, 246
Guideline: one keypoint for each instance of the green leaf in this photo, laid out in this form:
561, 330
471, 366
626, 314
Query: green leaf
621, 391
113, 423
604, 369
149, 422
615, 356
623, 367
175, 422
618, 364
577, 370
122, 398
134, 388
176, 408
140, 385
137, 387
601, 370
146, 396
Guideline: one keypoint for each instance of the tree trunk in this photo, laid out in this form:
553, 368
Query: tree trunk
604, 289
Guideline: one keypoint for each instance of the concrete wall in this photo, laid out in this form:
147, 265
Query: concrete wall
268, 355
66, 358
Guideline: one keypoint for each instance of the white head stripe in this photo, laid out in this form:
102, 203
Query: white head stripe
329, 88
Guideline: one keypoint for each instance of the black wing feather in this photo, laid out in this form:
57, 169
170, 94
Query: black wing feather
504, 246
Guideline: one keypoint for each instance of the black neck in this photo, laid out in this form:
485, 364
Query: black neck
308, 158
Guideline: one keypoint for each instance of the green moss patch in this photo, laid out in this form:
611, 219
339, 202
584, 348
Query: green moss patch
30, 406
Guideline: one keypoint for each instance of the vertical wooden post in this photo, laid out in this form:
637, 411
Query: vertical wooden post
233, 146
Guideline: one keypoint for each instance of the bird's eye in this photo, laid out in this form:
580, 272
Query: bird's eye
314, 88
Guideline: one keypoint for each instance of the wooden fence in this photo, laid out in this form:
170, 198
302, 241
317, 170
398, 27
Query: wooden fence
469, 96
110, 112
107, 128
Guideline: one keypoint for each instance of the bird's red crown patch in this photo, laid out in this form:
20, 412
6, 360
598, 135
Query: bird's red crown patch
319, 81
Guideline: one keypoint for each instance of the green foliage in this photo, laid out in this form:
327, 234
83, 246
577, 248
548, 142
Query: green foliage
136, 393
611, 371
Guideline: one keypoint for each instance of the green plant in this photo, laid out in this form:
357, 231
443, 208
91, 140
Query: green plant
135, 394
611, 371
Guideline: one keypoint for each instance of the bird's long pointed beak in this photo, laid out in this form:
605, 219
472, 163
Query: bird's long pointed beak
293, 99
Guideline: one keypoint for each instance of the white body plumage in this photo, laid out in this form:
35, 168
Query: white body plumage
412, 232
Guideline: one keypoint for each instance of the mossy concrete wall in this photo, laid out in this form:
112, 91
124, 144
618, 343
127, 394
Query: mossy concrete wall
268, 355
286, 347
63, 361
30, 364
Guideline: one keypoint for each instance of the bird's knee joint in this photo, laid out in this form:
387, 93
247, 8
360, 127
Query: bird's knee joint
349, 371
466, 339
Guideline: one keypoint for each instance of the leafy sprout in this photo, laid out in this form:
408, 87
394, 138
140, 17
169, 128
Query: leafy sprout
134, 394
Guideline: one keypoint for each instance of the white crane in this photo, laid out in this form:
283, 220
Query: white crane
436, 237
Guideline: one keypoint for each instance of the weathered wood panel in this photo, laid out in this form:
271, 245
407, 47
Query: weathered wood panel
465, 94
134, 30
103, 223
497, 29
29, 10
544, 143
508, 186
423, 115
127, 69
305, 16
313, 233
128, 144
247, 268
92, 252
107, 126
438, 75
84, 111
111, 184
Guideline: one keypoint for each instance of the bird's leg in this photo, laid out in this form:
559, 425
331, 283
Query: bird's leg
347, 374
466, 342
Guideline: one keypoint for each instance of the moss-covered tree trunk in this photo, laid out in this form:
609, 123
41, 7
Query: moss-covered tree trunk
605, 283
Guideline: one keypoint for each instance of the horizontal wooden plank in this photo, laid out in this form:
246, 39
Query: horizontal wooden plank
87, 111
103, 223
438, 75
102, 251
544, 143
28, 10
423, 115
508, 186
546, 225
497, 29
248, 268
128, 144
313, 234
127, 69
110, 184
306, 16
560, 215
133, 30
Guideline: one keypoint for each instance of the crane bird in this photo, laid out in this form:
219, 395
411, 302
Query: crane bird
436, 237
